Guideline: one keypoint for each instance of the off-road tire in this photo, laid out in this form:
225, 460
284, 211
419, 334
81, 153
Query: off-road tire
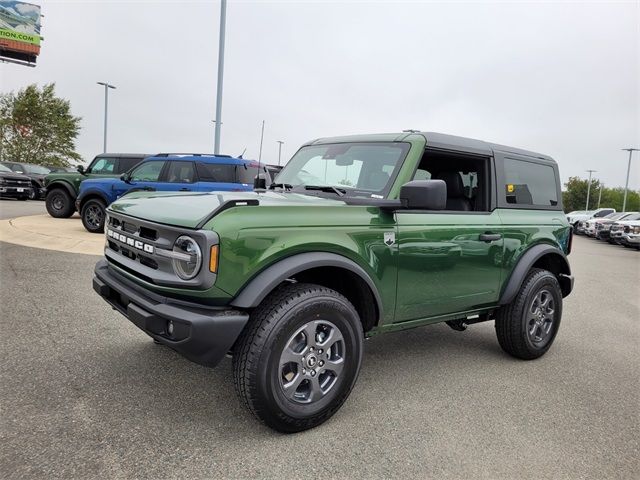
256, 355
512, 320
93, 205
59, 203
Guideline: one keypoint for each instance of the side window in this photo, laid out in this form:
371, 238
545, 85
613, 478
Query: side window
422, 175
248, 174
16, 167
126, 164
181, 172
147, 172
466, 177
104, 165
529, 183
217, 172
603, 213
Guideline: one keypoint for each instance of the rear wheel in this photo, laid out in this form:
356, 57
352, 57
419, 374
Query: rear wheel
93, 214
59, 203
297, 361
527, 326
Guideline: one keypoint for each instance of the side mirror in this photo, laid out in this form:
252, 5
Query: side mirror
424, 195
125, 178
260, 182
80, 169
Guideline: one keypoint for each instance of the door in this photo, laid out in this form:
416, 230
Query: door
143, 177
179, 176
449, 261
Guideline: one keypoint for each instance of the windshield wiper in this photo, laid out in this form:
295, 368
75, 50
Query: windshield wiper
327, 188
284, 186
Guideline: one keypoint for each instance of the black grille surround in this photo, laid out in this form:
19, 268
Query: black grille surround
12, 182
143, 249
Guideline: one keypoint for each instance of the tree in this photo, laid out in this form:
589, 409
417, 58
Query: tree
37, 127
575, 196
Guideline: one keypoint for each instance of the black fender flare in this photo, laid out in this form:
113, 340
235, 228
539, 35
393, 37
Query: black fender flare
526, 261
65, 185
90, 194
262, 284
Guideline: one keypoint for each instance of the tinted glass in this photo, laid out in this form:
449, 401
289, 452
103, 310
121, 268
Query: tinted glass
529, 183
217, 172
147, 172
181, 172
15, 167
126, 164
4, 169
247, 173
603, 213
104, 165
37, 169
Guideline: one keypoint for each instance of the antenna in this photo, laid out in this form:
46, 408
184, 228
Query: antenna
245, 149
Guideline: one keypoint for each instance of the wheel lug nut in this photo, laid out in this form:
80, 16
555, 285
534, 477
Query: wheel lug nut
320, 351
304, 372
321, 363
313, 373
311, 349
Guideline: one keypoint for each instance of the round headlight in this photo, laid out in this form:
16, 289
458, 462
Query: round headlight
187, 268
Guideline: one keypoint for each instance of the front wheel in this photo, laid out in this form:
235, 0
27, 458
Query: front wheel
59, 203
299, 357
93, 214
527, 326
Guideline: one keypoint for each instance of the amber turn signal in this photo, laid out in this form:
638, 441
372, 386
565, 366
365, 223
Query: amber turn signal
213, 259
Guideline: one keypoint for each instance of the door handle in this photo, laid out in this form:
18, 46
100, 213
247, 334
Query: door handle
490, 237
185, 190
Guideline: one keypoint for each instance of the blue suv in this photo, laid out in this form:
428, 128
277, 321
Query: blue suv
167, 172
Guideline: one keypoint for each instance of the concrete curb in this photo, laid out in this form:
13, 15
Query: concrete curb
60, 234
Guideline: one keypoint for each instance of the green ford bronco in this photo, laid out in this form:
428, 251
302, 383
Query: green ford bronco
63, 187
358, 236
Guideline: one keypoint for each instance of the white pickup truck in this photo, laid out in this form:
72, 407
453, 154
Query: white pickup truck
578, 217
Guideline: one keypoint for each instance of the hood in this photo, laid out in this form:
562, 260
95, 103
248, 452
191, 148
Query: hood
99, 181
193, 209
15, 176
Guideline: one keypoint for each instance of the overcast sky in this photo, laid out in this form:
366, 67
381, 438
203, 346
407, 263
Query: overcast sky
558, 78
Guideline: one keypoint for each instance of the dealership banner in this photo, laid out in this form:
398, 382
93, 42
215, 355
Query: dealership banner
19, 27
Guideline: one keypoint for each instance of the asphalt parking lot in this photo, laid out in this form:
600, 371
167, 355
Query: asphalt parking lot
84, 394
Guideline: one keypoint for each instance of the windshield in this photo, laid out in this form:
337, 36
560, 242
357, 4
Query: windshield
4, 169
37, 169
358, 169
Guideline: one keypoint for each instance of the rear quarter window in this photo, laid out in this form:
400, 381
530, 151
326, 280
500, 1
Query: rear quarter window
216, 172
530, 183
126, 164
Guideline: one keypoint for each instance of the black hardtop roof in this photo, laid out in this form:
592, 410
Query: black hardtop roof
124, 155
442, 140
437, 140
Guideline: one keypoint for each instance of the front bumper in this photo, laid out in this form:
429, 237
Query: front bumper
15, 192
632, 239
201, 333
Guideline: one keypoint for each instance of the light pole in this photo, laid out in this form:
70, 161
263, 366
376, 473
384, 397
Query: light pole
107, 86
215, 124
280, 142
600, 194
223, 16
589, 188
261, 139
626, 184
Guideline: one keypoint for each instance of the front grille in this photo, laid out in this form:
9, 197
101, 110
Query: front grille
12, 182
144, 249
